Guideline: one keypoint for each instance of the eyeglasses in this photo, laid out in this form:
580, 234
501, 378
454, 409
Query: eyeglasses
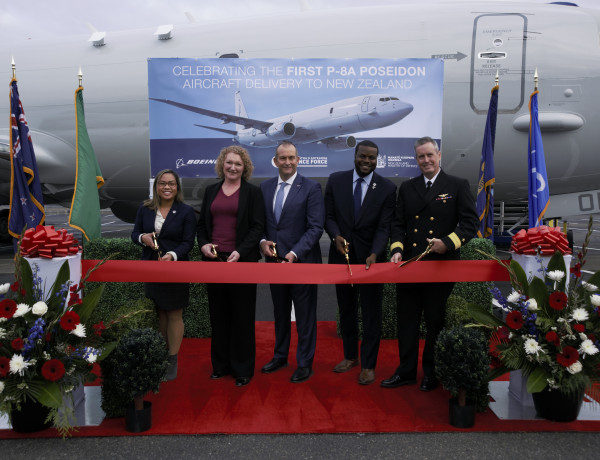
169, 184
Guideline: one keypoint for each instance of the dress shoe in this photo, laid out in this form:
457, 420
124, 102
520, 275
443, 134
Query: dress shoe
345, 365
429, 383
241, 381
274, 365
366, 377
301, 374
396, 381
218, 375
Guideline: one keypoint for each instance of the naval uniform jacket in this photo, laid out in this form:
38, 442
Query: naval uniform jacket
446, 212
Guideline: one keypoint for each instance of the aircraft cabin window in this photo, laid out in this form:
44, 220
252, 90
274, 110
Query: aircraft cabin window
492, 55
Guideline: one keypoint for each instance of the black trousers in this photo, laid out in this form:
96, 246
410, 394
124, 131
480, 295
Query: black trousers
371, 296
232, 310
412, 300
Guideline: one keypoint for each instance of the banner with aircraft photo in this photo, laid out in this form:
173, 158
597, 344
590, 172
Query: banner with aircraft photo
324, 106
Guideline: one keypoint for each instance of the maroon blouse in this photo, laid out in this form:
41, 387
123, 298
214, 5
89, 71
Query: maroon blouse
224, 216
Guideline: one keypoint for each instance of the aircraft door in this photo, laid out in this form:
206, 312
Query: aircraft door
365, 104
499, 44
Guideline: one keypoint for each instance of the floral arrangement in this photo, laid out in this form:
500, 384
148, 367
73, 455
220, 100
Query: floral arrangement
551, 326
47, 347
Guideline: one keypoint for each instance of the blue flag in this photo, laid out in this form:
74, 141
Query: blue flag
26, 201
539, 194
487, 177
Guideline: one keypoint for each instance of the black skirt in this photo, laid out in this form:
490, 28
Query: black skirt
168, 296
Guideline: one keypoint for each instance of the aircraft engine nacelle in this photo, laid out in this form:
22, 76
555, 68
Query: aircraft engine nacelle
281, 131
340, 143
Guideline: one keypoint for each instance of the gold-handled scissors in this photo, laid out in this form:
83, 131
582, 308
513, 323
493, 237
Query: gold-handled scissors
155, 242
213, 250
420, 256
346, 254
275, 255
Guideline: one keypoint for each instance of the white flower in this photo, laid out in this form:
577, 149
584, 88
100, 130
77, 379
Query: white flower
532, 305
587, 347
4, 288
79, 330
91, 358
18, 364
497, 304
589, 287
579, 314
582, 337
575, 367
2, 333
39, 308
595, 299
556, 275
514, 297
22, 309
532, 347
1, 387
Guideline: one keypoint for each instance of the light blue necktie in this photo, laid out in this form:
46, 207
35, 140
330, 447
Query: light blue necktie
279, 201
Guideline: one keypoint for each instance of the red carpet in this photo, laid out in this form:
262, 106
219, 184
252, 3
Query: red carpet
326, 403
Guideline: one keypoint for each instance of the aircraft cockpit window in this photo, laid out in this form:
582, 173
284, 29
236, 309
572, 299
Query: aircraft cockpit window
383, 99
492, 55
394, 99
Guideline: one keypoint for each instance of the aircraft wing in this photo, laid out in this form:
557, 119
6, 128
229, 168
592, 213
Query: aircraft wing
226, 118
221, 130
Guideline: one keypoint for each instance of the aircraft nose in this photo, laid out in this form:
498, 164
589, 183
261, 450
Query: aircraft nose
404, 108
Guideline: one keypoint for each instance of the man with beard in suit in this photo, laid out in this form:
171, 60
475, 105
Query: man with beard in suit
438, 209
359, 206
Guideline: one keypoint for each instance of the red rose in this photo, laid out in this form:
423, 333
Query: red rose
514, 320
8, 307
17, 344
578, 327
4, 366
69, 321
568, 356
552, 337
53, 370
558, 300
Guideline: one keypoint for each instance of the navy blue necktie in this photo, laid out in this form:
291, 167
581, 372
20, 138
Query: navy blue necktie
279, 201
428, 185
357, 197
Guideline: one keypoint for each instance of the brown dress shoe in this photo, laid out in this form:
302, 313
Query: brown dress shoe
366, 377
345, 365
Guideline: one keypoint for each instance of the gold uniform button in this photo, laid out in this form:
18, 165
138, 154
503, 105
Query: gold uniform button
416, 217
443, 201
416, 230
414, 245
463, 240
431, 218
431, 232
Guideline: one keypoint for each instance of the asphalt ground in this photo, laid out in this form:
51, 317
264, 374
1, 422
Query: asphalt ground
557, 445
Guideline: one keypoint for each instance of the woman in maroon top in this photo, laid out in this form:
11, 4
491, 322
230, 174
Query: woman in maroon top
229, 230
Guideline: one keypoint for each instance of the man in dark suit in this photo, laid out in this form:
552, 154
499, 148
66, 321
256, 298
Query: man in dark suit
438, 208
294, 214
359, 206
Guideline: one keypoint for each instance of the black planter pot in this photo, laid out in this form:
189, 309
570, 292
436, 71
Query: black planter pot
557, 406
137, 421
461, 416
30, 418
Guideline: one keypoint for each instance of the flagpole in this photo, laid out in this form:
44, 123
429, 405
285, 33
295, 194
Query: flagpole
535, 80
14, 68
80, 75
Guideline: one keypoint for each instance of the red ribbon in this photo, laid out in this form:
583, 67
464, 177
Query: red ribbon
547, 240
44, 241
289, 273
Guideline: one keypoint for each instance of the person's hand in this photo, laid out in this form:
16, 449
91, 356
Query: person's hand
147, 240
339, 244
396, 258
266, 248
207, 251
167, 258
234, 256
438, 246
370, 260
290, 257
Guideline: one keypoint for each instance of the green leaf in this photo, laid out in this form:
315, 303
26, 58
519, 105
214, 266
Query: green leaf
521, 277
64, 273
26, 281
89, 303
539, 291
483, 316
107, 349
537, 380
595, 280
50, 395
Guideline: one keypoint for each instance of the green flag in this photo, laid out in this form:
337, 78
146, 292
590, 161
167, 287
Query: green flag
85, 207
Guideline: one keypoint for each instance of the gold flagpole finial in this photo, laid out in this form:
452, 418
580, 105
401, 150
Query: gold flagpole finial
497, 77
14, 67
535, 79
80, 75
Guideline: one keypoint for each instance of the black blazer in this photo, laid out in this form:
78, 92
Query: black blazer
447, 212
371, 232
177, 233
249, 223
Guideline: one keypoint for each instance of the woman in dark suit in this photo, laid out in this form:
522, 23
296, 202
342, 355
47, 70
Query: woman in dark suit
229, 230
173, 225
